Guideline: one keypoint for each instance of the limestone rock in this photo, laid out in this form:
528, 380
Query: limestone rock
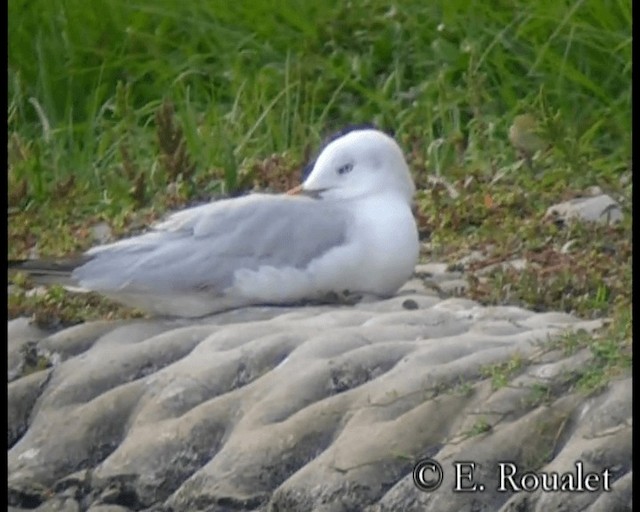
310, 408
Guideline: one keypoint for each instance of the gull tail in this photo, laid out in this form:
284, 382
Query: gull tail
48, 272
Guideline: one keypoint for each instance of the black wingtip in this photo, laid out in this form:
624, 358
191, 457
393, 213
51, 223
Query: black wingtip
47, 271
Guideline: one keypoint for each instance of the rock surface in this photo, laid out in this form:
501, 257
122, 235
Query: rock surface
318, 408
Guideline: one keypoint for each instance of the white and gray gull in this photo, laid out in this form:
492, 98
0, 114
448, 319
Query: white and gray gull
350, 230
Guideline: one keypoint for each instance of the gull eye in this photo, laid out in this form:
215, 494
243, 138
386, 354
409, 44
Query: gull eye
344, 169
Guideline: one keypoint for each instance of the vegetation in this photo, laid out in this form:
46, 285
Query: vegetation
120, 111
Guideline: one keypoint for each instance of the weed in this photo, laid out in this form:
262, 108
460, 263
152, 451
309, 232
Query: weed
610, 349
481, 426
502, 373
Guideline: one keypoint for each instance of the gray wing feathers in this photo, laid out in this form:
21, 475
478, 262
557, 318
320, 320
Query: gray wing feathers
202, 247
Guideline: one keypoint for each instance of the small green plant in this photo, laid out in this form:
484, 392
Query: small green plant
502, 373
610, 350
463, 388
56, 307
541, 393
481, 426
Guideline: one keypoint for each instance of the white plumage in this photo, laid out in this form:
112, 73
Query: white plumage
356, 235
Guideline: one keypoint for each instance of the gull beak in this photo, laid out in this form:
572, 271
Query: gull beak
300, 191
295, 191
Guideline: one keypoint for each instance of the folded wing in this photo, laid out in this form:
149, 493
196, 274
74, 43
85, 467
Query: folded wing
201, 248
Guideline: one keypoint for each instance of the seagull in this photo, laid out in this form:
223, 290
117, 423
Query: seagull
347, 232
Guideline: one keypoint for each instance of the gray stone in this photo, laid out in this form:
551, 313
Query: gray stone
23, 394
517, 264
431, 269
600, 208
618, 500
309, 408
107, 508
455, 287
472, 257
59, 505
21, 333
101, 233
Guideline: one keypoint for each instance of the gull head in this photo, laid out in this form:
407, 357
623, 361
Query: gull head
360, 163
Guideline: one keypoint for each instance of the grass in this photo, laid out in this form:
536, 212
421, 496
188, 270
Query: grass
120, 112
610, 350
